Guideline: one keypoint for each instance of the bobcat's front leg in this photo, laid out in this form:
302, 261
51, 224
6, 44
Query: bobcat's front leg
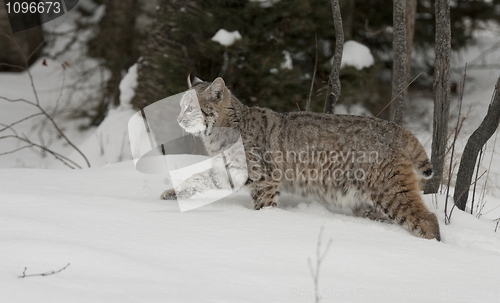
265, 194
197, 183
169, 194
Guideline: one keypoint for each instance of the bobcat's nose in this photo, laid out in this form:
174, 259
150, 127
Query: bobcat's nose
179, 119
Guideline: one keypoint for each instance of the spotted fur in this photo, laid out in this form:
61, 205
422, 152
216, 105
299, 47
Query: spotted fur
385, 156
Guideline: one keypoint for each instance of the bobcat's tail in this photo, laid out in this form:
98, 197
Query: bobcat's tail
418, 156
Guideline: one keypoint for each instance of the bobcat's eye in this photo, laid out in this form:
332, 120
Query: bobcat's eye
189, 109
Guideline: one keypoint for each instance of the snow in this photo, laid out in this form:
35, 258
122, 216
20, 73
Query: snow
354, 109
287, 64
127, 87
125, 245
110, 141
225, 38
266, 3
355, 54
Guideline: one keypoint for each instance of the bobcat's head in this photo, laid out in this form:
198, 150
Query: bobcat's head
200, 105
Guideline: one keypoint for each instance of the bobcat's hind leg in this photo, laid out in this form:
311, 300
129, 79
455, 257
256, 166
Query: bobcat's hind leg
400, 200
264, 194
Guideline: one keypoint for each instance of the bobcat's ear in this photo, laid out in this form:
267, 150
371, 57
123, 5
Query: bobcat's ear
217, 88
193, 80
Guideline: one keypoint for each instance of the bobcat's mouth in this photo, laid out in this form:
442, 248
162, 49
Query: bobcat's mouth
192, 128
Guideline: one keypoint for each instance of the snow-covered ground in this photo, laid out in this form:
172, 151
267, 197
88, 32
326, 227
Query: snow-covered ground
125, 245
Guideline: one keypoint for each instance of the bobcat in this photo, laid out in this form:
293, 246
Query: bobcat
325, 157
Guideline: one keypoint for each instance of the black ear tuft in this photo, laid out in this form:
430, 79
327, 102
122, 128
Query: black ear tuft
193, 80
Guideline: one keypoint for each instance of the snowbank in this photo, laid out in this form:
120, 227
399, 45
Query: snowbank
127, 87
125, 245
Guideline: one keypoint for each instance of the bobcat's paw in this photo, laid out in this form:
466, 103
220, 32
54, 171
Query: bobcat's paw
169, 194
265, 206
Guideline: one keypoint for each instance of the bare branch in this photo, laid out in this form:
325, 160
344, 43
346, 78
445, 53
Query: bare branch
34, 51
483, 204
17, 100
16, 150
13, 66
319, 259
37, 100
18, 121
475, 183
407, 85
24, 275
58, 156
446, 217
308, 104
19, 48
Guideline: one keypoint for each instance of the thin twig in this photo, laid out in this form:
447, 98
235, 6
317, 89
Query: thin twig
482, 202
308, 104
477, 172
16, 150
447, 219
19, 48
24, 275
120, 157
13, 66
55, 154
37, 100
399, 93
18, 121
52, 120
17, 100
37, 105
319, 259
61, 91
491, 209
35, 50
471, 185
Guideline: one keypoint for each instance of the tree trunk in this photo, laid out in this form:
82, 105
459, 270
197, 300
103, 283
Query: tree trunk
472, 148
441, 93
334, 81
399, 62
411, 11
